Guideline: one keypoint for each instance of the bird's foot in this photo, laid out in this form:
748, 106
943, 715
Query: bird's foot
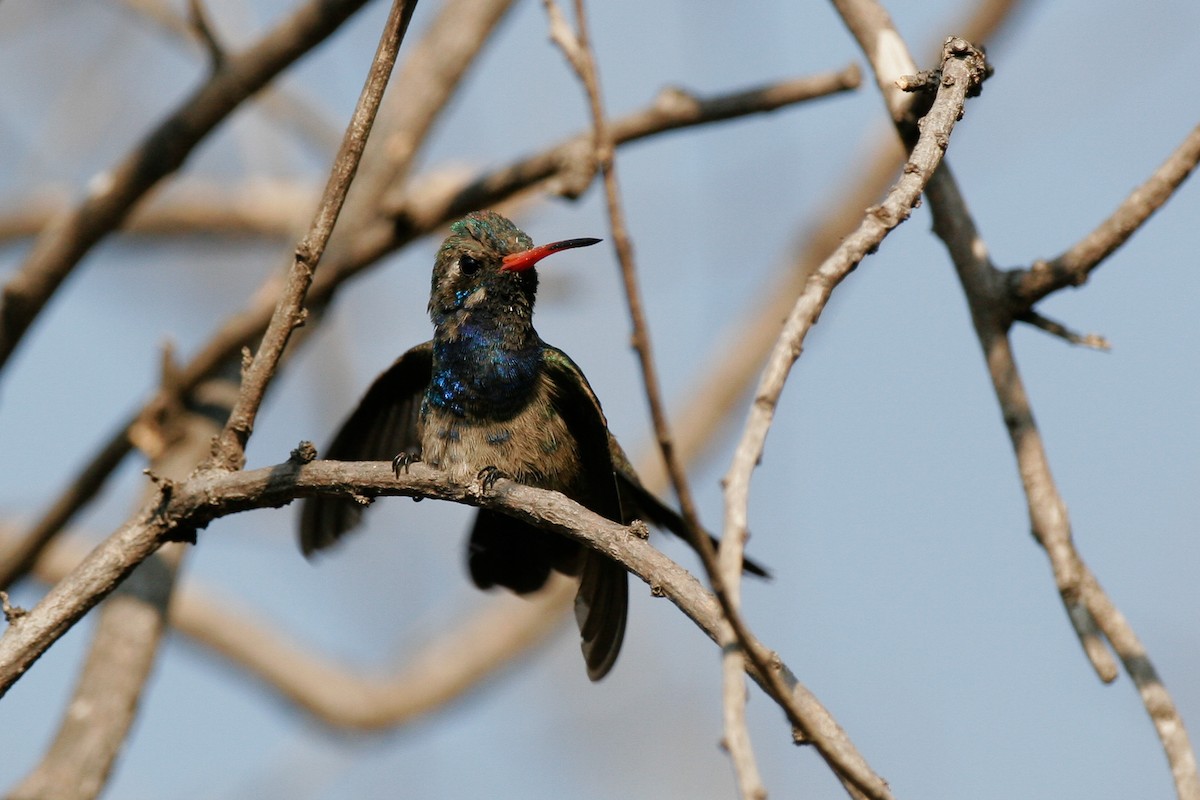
403, 460
487, 478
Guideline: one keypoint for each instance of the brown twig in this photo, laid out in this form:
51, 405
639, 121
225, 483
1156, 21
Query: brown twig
114, 192
202, 27
963, 69
1092, 340
1072, 267
229, 448
988, 297
211, 494
577, 48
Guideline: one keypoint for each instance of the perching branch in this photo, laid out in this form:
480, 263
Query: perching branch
185, 507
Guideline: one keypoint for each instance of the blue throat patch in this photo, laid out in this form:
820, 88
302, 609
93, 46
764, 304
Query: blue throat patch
474, 376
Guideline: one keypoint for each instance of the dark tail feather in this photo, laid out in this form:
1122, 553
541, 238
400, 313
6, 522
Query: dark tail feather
601, 607
509, 553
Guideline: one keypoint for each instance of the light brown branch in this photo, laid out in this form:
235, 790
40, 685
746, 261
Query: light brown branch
577, 48
201, 25
229, 448
254, 207
501, 633
1072, 267
192, 504
963, 69
712, 401
288, 108
426, 81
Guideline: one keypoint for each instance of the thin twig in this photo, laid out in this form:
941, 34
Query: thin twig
962, 68
1092, 340
577, 48
1073, 266
202, 26
229, 448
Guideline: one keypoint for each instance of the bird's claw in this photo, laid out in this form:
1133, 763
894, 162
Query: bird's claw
403, 460
488, 476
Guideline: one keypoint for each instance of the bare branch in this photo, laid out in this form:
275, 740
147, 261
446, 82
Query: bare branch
229, 448
963, 69
1088, 609
126, 642
576, 47
504, 631
192, 504
1092, 340
1073, 267
429, 77
740, 359
286, 107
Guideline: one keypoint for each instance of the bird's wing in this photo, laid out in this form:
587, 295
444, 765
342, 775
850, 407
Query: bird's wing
386, 422
602, 602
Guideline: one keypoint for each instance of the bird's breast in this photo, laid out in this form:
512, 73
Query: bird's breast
532, 446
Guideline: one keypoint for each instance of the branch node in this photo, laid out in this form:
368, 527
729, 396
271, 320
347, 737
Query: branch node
303, 453
639, 529
1092, 340
12, 614
203, 28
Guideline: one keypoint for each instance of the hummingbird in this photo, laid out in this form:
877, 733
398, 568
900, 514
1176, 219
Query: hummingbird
485, 398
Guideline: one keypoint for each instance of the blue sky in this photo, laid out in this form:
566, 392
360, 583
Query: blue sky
908, 593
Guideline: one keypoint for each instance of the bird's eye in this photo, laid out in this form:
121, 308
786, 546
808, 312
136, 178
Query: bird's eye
469, 265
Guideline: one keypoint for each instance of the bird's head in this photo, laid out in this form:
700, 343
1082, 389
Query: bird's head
485, 268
